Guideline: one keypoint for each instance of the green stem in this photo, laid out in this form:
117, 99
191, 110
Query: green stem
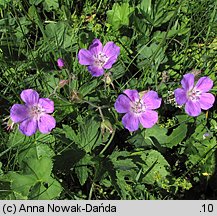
109, 142
91, 191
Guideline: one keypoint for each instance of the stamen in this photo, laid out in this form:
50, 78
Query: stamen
138, 107
100, 59
194, 95
36, 111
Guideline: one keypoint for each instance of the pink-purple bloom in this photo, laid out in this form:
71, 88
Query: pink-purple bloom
195, 97
60, 63
34, 114
98, 58
138, 108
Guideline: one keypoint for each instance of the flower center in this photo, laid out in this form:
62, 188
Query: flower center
36, 111
100, 59
138, 107
194, 95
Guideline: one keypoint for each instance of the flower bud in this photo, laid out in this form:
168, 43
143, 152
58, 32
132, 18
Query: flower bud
60, 63
9, 124
106, 126
107, 78
142, 93
63, 83
75, 96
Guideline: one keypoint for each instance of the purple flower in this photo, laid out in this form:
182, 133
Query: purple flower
98, 58
138, 108
33, 114
195, 97
60, 63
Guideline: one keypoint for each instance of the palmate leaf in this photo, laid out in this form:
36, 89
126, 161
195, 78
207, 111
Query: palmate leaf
160, 135
5, 189
36, 165
124, 168
21, 184
88, 87
155, 167
118, 70
122, 161
35, 2
56, 33
125, 164
38, 150
156, 13
70, 133
35, 182
138, 140
201, 153
39, 168
177, 136
146, 6
146, 54
47, 190
88, 135
82, 168
105, 168
119, 15
50, 4
17, 138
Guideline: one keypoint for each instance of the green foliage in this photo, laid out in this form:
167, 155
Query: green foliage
90, 155
154, 167
119, 15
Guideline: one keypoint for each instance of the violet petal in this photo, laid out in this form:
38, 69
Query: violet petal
18, 113
111, 49
122, 104
95, 71
29, 96
132, 94
151, 100
46, 104
192, 108
187, 81
180, 96
130, 121
96, 47
204, 84
110, 62
148, 118
60, 62
206, 101
46, 123
28, 126
85, 57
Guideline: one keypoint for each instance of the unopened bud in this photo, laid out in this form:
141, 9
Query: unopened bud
60, 63
142, 93
106, 126
107, 78
75, 96
9, 124
63, 83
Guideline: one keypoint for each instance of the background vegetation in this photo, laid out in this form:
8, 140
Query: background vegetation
89, 155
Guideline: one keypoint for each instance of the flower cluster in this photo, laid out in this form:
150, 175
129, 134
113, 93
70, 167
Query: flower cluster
138, 108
